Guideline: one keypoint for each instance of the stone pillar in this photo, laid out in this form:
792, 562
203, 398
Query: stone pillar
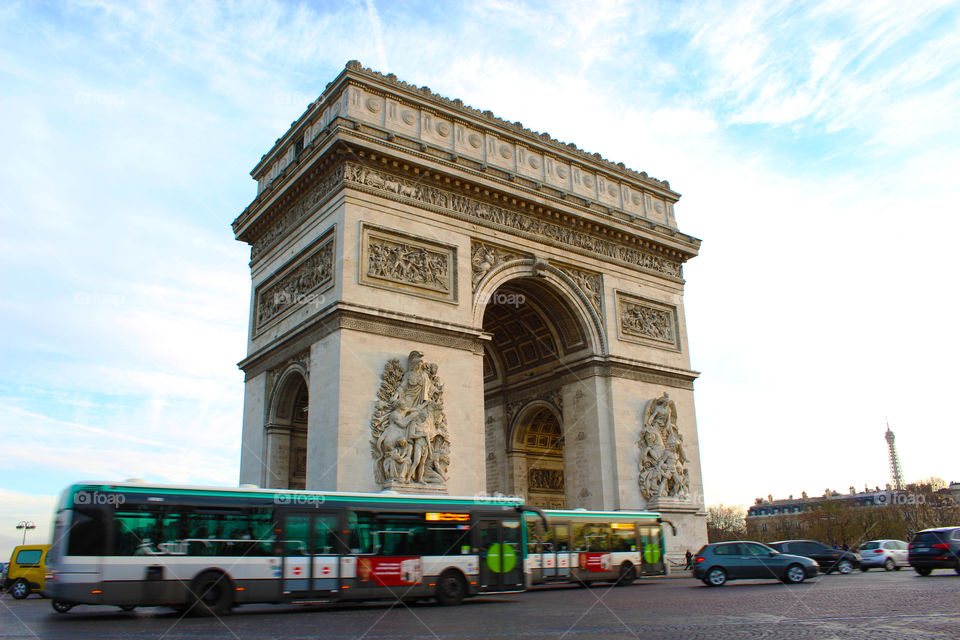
252, 450
277, 470
589, 448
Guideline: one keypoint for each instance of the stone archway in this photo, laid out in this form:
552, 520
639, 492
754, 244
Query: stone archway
286, 433
536, 458
539, 333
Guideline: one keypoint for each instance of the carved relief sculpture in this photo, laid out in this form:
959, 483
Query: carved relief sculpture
543, 230
663, 462
647, 322
398, 262
485, 257
297, 285
410, 439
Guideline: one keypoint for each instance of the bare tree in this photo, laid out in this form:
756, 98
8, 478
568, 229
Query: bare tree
725, 523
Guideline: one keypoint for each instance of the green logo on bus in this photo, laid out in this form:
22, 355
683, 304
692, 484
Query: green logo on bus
651, 553
501, 558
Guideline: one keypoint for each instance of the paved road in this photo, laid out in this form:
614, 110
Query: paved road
875, 605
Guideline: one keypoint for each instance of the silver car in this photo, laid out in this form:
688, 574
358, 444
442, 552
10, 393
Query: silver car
889, 554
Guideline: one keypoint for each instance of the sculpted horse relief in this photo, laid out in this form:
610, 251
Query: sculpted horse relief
411, 441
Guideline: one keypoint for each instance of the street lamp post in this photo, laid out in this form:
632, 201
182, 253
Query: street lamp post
26, 526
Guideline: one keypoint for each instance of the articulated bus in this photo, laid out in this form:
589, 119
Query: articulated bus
205, 550
594, 546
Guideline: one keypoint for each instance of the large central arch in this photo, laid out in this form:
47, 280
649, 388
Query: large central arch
540, 326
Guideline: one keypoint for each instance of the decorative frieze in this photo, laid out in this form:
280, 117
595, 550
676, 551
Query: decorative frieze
395, 261
484, 257
410, 439
589, 283
297, 284
647, 321
298, 211
536, 227
545, 480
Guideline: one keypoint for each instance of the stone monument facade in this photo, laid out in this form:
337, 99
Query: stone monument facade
446, 302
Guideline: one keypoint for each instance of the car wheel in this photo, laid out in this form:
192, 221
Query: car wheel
60, 606
889, 565
716, 577
924, 571
20, 589
127, 607
844, 567
451, 589
211, 594
795, 574
628, 574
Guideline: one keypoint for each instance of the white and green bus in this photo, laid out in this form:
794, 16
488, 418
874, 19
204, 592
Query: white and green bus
594, 546
207, 550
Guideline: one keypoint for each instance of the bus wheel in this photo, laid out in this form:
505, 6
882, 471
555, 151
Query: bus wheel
451, 588
211, 594
60, 606
127, 607
628, 573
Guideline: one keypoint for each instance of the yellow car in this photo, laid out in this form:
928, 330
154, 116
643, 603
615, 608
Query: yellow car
26, 569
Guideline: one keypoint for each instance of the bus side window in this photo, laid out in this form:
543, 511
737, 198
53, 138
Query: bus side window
133, 533
561, 537
535, 536
88, 533
579, 537
362, 527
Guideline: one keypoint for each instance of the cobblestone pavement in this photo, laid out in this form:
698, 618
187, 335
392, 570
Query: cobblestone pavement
875, 605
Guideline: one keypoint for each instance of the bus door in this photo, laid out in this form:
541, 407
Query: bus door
310, 560
500, 545
556, 552
651, 551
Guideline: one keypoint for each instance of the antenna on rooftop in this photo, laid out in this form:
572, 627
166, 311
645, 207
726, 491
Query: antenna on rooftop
896, 473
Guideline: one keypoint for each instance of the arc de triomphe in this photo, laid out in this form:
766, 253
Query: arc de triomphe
446, 302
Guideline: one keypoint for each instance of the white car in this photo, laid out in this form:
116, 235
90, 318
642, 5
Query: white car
889, 554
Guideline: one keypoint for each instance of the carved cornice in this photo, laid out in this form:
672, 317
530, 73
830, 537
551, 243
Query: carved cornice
416, 329
546, 229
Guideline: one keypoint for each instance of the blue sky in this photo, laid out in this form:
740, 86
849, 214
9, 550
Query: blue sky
815, 144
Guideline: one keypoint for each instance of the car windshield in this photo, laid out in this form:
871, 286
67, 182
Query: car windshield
928, 537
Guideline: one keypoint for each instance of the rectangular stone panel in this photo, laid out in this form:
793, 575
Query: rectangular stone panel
300, 282
647, 321
399, 262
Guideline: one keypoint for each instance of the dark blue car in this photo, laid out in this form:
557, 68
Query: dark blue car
718, 562
935, 549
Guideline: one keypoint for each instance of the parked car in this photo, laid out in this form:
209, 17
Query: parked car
889, 554
935, 549
718, 562
828, 558
26, 570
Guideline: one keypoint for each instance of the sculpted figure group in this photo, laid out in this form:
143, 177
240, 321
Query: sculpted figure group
663, 463
411, 442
